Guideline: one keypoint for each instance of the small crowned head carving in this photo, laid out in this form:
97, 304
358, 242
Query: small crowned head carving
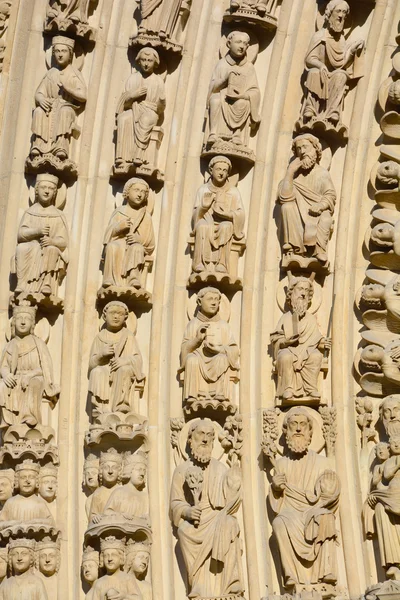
48, 482
336, 12
299, 294
27, 477
201, 436
91, 469
394, 445
298, 429
238, 43
48, 556
135, 469
90, 565
389, 412
208, 301
63, 50
6, 484
115, 314
372, 294
110, 468
148, 60
308, 149
46, 188
382, 235
21, 555
23, 319
219, 168
137, 558
112, 555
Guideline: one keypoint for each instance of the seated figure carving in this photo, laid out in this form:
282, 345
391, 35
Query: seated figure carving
298, 345
26, 372
131, 499
24, 583
208, 353
109, 477
115, 363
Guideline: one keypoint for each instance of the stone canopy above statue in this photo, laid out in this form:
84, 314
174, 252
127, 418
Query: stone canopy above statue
70, 16
256, 13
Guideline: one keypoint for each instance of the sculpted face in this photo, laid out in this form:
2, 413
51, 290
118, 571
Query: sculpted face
48, 561
140, 563
395, 445
372, 291
298, 433
91, 477
372, 355
62, 55
137, 195
21, 559
210, 304
147, 62
138, 475
90, 571
27, 482
383, 234
112, 560
115, 318
382, 451
338, 17
238, 45
389, 172
390, 412
46, 192
6, 489
220, 173
110, 471
202, 442
48, 487
307, 153
23, 323
300, 298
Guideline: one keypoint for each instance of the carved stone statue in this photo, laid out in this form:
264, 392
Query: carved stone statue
307, 200
60, 95
388, 174
254, 12
48, 482
385, 239
41, 257
390, 415
233, 100
24, 584
6, 485
298, 345
109, 477
162, 23
48, 563
116, 583
26, 373
5, 10
304, 495
90, 565
205, 497
115, 363
90, 481
208, 353
3, 563
218, 221
69, 15
131, 499
139, 111
331, 62
137, 563
129, 239
385, 296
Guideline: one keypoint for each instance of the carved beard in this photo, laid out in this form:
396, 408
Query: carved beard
308, 161
300, 306
392, 428
298, 442
201, 454
336, 25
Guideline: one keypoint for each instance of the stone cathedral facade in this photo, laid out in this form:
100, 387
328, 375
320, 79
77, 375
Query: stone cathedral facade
199, 299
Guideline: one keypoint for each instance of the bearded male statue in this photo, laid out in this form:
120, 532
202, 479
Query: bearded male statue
331, 61
205, 497
307, 200
389, 412
304, 495
298, 345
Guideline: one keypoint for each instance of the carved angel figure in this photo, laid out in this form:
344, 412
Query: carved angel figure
307, 200
218, 219
304, 495
298, 345
24, 584
129, 237
330, 61
61, 93
41, 257
234, 95
139, 110
26, 372
208, 352
115, 362
208, 532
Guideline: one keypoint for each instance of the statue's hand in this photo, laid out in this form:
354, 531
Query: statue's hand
109, 350
130, 238
201, 334
326, 344
96, 519
45, 240
291, 341
316, 210
356, 46
117, 363
192, 513
294, 166
124, 225
278, 482
45, 230
10, 381
141, 93
372, 501
46, 104
328, 482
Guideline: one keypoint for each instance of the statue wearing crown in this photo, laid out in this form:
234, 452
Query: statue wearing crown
60, 95
41, 256
116, 584
26, 373
24, 584
131, 500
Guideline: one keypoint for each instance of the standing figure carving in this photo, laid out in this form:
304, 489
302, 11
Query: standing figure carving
129, 239
207, 528
298, 345
304, 495
331, 62
233, 100
139, 111
217, 222
24, 583
209, 355
307, 200
162, 22
60, 95
115, 363
109, 477
41, 257
26, 373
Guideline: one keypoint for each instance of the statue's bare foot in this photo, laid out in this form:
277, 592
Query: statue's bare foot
220, 269
61, 154
199, 268
315, 394
287, 248
329, 578
287, 394
46, 290
334, 118
393, 573
235, 5
35, 153
135, 283
261, 9
322, 257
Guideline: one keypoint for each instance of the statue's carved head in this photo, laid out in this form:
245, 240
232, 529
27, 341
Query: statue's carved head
336, 12
46, 188
3, 563
112, 553
48, 556
208, 301
389, 412
91, 469
115, 315
148, 60
136, 192
63, 50
382, 235
382, 452
388, 173
23, 320
21, 555
299, 294
238, 43
135, 467
308, 148
219, 168
48, 482
6, 484
372, 357
137, 558
372, 294
298, 429
27, 478
201, 436
110, 468
90, 565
